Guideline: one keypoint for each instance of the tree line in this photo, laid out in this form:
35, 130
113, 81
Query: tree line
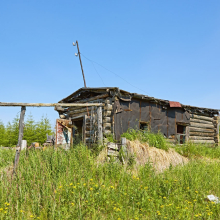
33, 131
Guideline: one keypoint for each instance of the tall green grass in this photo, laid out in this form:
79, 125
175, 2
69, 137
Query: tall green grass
198, 150
153, 139
59, 184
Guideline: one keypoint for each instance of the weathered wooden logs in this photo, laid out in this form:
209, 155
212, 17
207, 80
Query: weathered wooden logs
203, 141
107, 119
200, 138
202, 130
200, 121
202, 134
200, 125
200, 117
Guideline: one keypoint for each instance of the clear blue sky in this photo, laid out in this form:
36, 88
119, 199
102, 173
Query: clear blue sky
166, 49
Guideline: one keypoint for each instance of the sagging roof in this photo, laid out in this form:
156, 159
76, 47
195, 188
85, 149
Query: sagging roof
127, 96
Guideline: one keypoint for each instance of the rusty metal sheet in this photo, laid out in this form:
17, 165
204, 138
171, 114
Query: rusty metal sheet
171, 122
175, 104
145, 111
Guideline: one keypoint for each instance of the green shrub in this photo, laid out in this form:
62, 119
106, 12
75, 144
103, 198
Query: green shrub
153, 139
199, 150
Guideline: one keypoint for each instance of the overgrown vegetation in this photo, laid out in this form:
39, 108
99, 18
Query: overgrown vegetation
59, 184
153, 139
198, 150
33, 131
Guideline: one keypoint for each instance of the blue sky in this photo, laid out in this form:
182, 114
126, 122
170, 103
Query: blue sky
166, 49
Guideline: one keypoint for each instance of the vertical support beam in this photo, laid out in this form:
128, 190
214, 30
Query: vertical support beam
216, 124
20, 137
100, 133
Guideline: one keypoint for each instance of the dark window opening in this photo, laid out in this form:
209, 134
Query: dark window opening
181, 134
144, 126
77, 131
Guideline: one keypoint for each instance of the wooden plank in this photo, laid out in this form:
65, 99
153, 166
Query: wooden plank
202, 134
108, 107
200, 125
112, 153
99, 121
107, 131
105, 95
107, 119
200, 121
107, 113
113, 146
107, 125
49, 104
202, 130
102, 101
20, 137
200, 117
203, 141
200, 138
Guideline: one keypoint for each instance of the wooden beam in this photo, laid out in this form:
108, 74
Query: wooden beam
50, 104
201, 134
20, 137
200, 117
203, 141
200, 125
99, 117
201, 130
201, 121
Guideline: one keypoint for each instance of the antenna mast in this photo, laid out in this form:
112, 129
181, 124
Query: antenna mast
77, 44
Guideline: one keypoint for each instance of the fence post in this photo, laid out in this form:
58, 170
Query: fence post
99, 120
20, 137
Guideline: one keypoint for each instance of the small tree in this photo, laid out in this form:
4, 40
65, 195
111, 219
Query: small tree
2, 134
43, 127
29, 130
8, 135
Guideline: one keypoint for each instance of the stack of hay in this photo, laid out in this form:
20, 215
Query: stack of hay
159, 159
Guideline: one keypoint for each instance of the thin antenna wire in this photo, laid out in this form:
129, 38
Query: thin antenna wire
98, 74
113, 73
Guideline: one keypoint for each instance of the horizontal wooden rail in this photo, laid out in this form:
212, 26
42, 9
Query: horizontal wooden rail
50, 104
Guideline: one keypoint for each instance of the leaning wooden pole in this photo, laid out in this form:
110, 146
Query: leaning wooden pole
20, 137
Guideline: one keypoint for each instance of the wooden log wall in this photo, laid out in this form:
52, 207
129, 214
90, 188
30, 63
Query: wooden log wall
90, 116
203, 129
107, 117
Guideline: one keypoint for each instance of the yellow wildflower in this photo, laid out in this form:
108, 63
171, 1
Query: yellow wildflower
91, 189
112, 187
71, 184
164, 197
31, 216
91, 180
196, 191
72, 203
74, 187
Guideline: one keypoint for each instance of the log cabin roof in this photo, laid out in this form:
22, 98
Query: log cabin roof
88, 92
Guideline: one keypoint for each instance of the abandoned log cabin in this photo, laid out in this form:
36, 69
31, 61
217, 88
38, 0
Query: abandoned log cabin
122, 110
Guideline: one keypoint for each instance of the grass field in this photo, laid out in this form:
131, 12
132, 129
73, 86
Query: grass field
58, 184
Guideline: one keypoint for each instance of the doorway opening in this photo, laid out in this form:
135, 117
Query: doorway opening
181, 133
77, 130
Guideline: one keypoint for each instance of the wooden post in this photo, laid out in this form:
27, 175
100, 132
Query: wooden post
20, 137
99, 119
